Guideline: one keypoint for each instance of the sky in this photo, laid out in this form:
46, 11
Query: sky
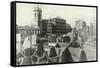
25, 14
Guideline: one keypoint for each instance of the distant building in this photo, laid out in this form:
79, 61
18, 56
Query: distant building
31, 32
56, 26
80, 25
81, 31
18, 42
37, 15
92, 30
43, 28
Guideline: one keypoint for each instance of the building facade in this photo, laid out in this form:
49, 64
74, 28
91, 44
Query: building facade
43, 28
56, 26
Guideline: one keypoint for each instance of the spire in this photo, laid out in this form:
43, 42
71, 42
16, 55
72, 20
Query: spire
37, 14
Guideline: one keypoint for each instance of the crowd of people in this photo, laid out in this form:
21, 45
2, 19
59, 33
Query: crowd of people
33, 56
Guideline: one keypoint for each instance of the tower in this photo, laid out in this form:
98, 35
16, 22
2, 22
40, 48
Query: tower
37, 15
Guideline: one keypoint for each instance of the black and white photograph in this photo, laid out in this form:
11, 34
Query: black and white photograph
54, 34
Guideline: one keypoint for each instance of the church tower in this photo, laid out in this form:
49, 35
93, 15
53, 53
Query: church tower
37, 15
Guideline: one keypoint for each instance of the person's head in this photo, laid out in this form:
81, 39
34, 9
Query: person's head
28, 52
57, 45
34, 58
66, 39
52, 52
